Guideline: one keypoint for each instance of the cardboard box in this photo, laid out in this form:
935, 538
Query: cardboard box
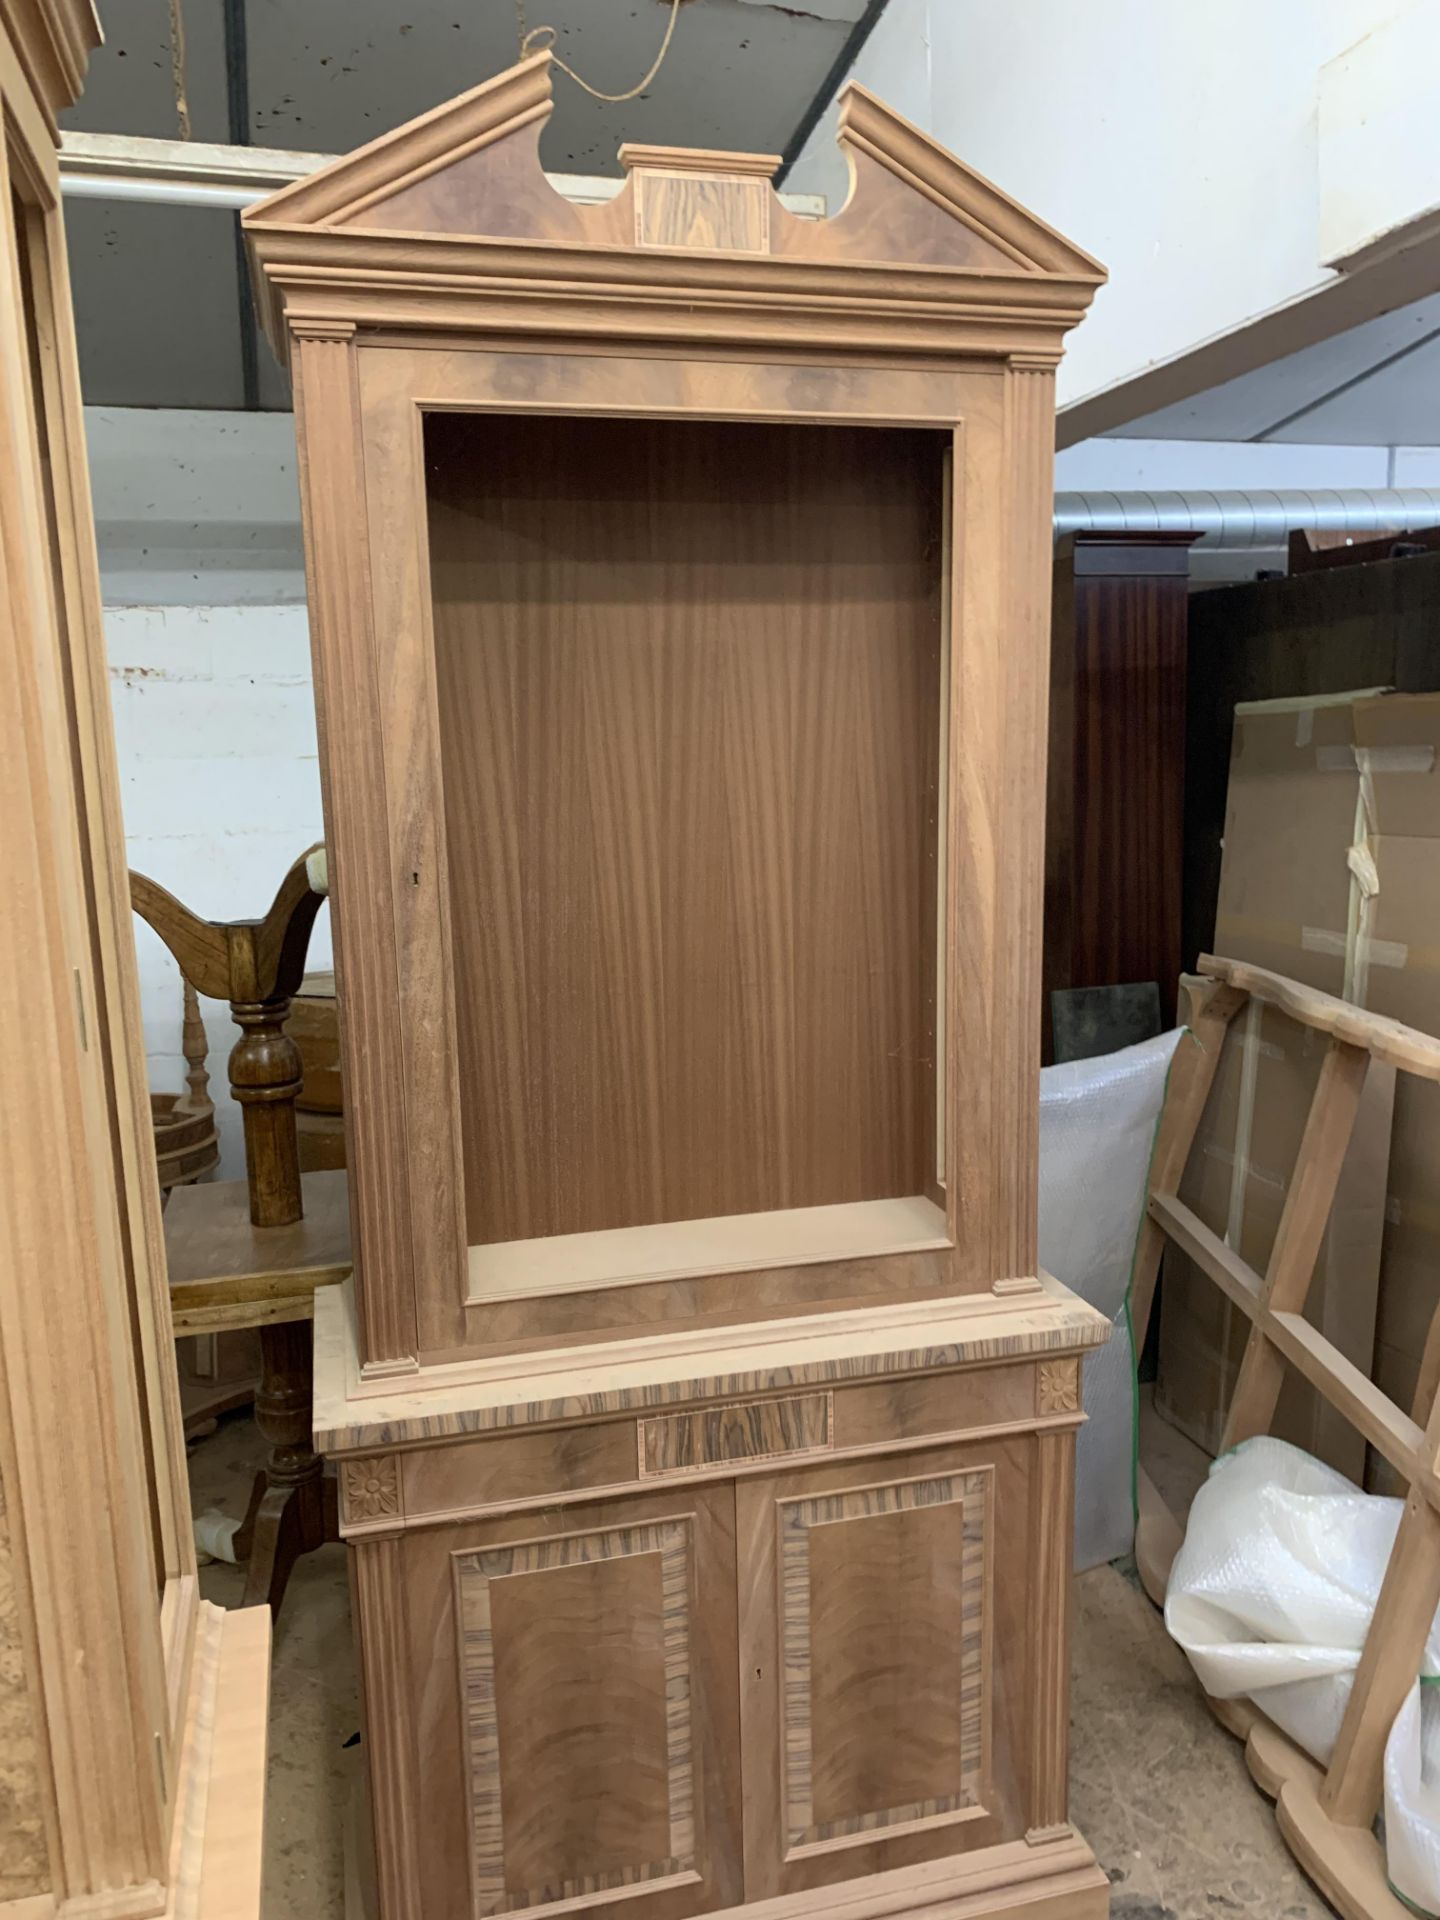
1330, 874
1399, 738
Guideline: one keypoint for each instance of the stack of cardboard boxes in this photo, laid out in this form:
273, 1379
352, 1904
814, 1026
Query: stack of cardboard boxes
1330, 875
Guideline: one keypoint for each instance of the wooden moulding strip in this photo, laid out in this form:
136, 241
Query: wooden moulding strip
1055, 1878
372, 255
556, 1387
351, 182
1405, 1048
218, 1838
698, 160
617, 1256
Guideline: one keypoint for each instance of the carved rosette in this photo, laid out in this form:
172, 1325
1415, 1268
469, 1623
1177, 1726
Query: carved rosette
1057, 1386
371, 1489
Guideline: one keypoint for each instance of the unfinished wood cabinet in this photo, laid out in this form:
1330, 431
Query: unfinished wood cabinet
132, 1714
679, 591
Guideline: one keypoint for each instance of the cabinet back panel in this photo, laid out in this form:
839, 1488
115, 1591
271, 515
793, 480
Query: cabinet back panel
688, 681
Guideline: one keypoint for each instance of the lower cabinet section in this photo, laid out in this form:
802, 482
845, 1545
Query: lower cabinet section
715, 1692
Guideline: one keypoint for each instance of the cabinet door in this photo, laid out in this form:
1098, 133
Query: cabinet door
888, 1637
576, 1723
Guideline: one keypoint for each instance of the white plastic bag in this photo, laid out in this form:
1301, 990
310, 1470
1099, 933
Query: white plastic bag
1271, 1597
1097, 1132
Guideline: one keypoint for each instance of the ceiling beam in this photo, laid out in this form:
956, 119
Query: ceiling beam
836, 77
237, 109
122, 166
199, 173
1346, 386
1408, 272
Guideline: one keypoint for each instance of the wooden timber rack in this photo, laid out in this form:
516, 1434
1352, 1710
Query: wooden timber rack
1325, 1813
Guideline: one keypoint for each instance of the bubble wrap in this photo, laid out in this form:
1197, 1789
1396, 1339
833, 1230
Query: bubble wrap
1097, 1131
1271, 1597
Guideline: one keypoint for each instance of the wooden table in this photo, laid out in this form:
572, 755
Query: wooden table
226, 1273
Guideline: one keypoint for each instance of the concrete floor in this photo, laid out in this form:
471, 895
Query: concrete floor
1157, 1787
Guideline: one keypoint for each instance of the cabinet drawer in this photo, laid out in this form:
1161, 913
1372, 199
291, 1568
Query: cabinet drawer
744, 1430
514, 1467
943, 1403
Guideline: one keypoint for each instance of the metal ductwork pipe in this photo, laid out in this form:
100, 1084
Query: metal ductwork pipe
1242, 520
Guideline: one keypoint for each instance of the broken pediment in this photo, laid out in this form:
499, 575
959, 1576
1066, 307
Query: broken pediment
470, 169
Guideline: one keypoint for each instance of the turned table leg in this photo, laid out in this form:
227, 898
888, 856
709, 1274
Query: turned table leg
266, 1075
293, 1504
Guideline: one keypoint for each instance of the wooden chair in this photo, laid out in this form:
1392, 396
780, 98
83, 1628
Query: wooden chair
186, 1144
1326, 1814
247, 1254
256, 965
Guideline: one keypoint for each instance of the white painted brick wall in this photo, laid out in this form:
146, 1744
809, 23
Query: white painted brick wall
215, 732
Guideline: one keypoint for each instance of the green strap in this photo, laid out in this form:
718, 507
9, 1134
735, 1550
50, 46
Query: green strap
1186, 1033
1422, 1913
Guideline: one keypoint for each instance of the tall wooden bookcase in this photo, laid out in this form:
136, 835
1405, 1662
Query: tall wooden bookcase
679, 588
132, 1713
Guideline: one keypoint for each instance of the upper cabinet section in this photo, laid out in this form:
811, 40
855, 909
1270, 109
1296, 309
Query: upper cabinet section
441, 204
681, 793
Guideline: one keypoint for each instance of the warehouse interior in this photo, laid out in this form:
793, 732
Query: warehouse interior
722, 971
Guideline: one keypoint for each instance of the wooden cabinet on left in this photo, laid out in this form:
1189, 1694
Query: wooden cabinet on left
132, 1714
